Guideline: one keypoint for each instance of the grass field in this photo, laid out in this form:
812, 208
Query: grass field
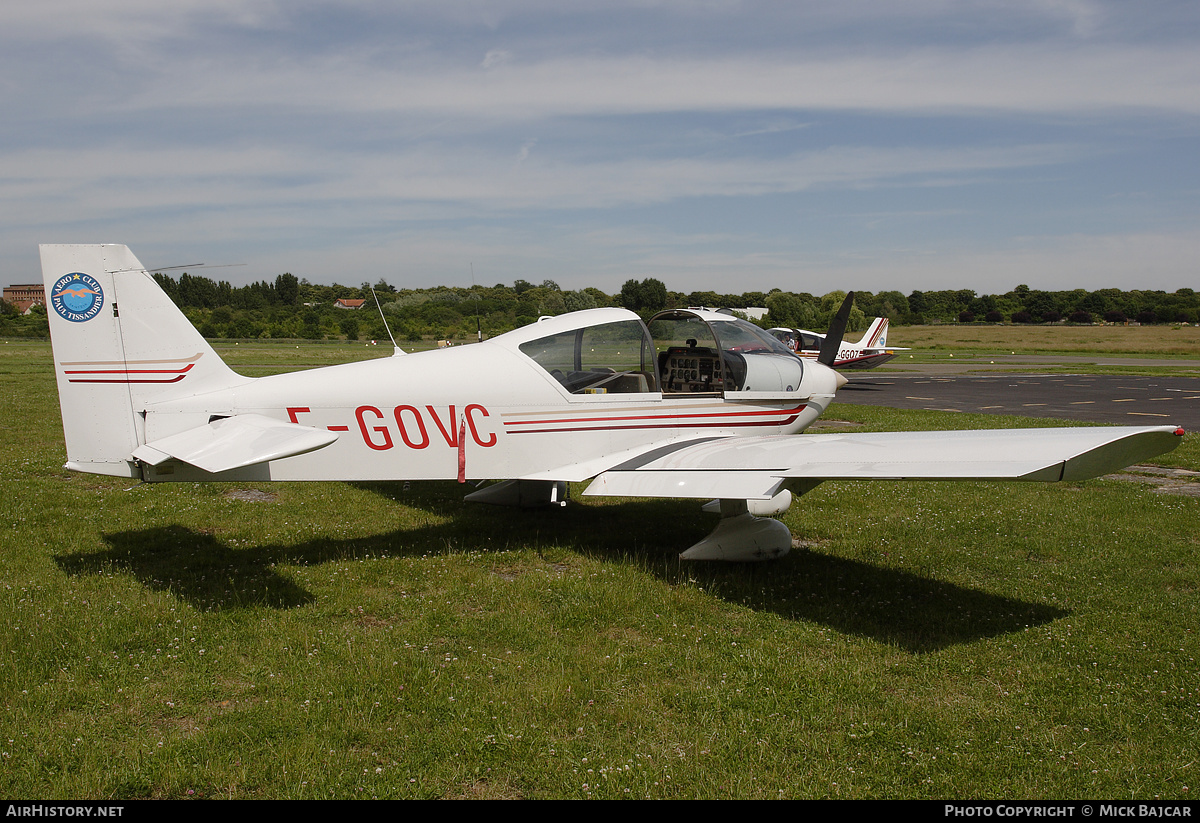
1130, 341
338, 640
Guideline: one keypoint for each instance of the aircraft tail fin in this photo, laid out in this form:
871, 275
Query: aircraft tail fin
876, 334
118, 342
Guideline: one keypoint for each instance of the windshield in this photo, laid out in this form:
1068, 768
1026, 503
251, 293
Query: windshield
747, 338
703, 352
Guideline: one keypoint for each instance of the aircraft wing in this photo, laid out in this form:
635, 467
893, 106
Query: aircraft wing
234, 442
756, 468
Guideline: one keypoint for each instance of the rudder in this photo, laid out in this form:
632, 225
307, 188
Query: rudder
876, 334
118, 341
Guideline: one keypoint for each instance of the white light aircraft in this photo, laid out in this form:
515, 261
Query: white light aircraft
696, 404
871, 351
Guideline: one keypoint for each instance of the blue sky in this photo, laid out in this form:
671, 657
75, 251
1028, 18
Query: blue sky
719, 145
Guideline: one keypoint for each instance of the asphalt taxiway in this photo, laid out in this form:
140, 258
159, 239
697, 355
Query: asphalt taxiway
1121, 399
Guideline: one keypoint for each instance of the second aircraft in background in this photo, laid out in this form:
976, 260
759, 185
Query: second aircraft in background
871, 351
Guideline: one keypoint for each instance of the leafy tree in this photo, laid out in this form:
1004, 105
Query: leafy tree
917, 303
278, 308
578, 300
649, 295
287, 289
705, 298
790, 310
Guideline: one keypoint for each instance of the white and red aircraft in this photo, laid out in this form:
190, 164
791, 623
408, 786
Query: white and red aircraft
871, 351
694, 404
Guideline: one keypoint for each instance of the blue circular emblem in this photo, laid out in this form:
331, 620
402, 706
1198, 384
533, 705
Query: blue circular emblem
77, 297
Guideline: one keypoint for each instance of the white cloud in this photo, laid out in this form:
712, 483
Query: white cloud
1032, 79
1163, 261
495, 58
109, 182
490, 127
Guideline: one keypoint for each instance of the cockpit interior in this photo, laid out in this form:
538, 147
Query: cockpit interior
679, 351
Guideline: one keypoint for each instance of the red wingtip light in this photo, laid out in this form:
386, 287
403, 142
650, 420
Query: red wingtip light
1179, 432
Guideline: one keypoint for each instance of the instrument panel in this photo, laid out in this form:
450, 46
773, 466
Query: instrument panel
691, 370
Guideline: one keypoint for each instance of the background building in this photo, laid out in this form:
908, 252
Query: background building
24, 296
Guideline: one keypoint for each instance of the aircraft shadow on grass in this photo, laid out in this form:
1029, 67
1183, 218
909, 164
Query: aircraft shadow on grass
891, 606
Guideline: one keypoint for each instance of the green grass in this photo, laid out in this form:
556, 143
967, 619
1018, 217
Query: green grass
929, 640
1164, 341
1166, 350
1183, 368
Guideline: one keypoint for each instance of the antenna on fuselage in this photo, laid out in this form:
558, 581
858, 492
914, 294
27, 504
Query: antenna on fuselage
478, 322
396, 350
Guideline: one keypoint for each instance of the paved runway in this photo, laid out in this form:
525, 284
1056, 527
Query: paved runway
1125, 400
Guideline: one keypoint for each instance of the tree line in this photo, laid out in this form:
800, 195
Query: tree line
290, 307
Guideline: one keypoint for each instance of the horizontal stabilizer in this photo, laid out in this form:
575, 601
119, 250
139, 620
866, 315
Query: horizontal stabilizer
234, 442
757, 467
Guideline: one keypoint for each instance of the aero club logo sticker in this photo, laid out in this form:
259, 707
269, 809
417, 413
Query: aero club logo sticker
77, 297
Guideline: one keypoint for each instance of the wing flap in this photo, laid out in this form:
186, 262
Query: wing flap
755, 468
234, 442
582, 470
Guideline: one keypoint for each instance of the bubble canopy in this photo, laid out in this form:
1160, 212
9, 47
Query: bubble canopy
680, 351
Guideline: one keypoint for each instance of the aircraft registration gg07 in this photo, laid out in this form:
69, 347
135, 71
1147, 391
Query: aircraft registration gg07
871, 351
695, 404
